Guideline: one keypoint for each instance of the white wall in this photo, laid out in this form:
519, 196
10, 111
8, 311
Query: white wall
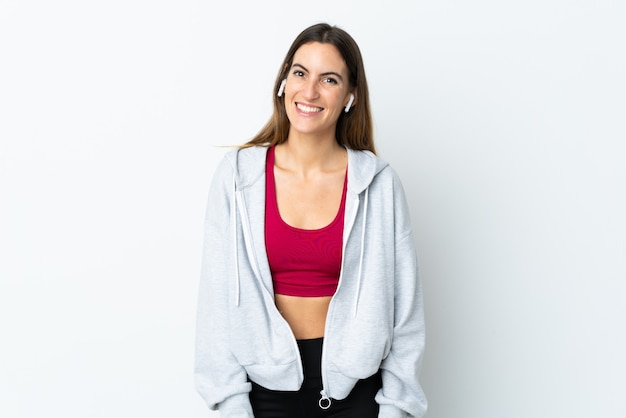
505, 121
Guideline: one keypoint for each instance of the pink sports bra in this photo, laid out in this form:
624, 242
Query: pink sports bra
303, 262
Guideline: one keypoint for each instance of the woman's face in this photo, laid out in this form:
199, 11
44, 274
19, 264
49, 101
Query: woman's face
317, 89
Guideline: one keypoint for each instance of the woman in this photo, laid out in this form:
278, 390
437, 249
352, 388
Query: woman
310, 303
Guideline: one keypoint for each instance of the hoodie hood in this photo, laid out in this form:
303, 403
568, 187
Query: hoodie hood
362, 167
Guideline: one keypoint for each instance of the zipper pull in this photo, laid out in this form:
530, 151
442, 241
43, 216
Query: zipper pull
324, 401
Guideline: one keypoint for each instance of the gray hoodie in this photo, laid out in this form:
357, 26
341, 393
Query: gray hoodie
375, 319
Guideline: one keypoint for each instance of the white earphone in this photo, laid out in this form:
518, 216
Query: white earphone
349, 102
281, 89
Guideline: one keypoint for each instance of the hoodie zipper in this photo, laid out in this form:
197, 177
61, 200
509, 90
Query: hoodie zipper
325, 401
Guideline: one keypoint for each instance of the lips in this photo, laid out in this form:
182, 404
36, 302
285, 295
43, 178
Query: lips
308, 109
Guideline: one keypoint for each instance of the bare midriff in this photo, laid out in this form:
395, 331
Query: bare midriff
305, 315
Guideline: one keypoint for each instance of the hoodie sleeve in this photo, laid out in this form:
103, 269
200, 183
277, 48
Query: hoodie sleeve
401, 395
219, 378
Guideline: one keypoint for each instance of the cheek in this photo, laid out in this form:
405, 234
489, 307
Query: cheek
339, 100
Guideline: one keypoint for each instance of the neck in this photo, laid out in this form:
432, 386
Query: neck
305, 154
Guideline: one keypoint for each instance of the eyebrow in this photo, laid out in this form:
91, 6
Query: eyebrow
323, 74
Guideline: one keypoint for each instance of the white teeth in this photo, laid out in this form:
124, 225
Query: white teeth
308, 109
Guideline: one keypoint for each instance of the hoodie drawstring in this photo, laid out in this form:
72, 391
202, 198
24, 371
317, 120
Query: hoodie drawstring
361, 255
234, 239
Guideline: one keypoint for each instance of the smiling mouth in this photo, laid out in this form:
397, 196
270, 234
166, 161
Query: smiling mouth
309, 109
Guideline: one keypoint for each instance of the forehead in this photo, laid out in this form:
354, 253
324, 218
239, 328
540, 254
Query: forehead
316, 56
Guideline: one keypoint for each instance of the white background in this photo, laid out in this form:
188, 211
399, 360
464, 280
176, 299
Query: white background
505, 120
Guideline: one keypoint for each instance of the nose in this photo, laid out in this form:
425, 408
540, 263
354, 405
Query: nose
310, 90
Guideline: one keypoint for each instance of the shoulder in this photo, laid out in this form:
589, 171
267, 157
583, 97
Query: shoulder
240, 155
363, 168
244, 165
367, 169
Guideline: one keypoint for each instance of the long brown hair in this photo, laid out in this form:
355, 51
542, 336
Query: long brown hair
354, 129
